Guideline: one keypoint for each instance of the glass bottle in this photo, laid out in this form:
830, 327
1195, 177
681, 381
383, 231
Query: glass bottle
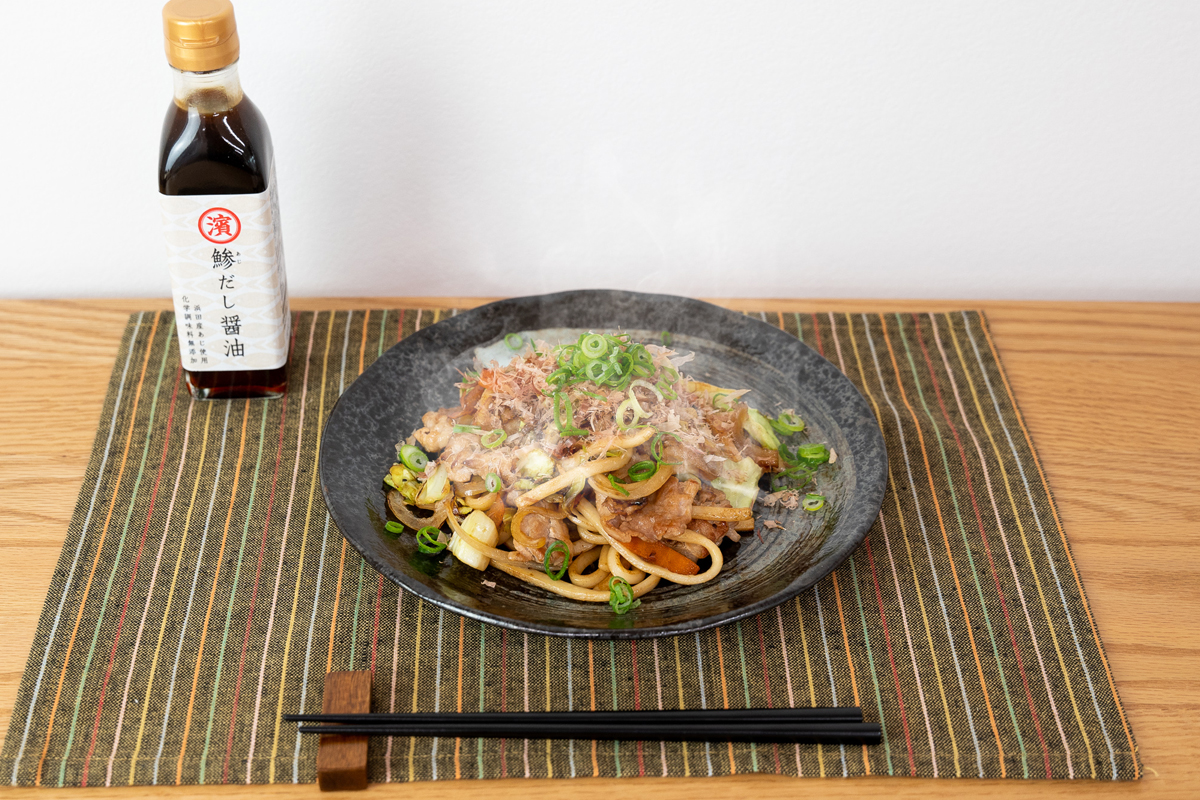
221, 214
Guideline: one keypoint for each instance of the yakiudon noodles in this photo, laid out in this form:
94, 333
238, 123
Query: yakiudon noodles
594, 470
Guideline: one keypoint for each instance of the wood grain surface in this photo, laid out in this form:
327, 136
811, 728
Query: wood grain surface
342, 760
1111, 394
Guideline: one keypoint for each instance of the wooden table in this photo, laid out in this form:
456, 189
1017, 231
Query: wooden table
1111, 393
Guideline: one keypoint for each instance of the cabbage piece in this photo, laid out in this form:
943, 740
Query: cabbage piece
536, 464
759, 427
739, 482
436, 488
404, 481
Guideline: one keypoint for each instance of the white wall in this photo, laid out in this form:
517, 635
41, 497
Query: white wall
1007, 149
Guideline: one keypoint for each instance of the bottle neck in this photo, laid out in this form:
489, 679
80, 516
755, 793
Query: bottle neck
208, 92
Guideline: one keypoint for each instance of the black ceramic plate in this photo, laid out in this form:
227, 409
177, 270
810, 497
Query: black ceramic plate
385, 405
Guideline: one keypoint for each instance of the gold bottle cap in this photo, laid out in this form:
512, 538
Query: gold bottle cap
201, 35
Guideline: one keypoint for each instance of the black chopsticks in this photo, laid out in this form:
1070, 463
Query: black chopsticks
780, 725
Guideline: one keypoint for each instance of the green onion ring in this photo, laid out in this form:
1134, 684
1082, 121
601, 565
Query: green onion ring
648, 385
557, 546
514, 341
427, 541
617, 486
597, 371
621, 595
656, 448
564, 416
393, 527
493, 439
492, 482
813, 502
626, 405
643, 470
813, 452
593, 345
413, 457
788, 422
637, 406
620, 339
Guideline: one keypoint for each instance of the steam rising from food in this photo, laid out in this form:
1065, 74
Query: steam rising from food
594, 469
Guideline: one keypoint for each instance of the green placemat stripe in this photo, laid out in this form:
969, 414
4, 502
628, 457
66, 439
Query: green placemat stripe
203, 591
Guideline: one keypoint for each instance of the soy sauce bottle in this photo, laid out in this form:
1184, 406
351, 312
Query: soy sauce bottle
221, 214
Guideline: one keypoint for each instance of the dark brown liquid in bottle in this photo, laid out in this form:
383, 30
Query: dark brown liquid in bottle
226, 152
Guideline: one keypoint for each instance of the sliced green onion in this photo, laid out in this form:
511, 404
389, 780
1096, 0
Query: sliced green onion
492, 482
643, 470
466, 429
813, 502
609, 360
514, 341
637, 406
597, 371
622, 411
393, 527
493, 439
564, 416
413, 457
621, 596
656, 448
427, 541
788, 422
593, 394
666, 338
557, 546
666, 389
617, 486
593, 345
722, 406
647, 385
800, 474
813, 452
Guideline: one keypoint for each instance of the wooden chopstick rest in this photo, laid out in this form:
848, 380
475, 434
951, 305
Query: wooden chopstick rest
342, 760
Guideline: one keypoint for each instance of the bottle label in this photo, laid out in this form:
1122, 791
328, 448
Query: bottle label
227, 278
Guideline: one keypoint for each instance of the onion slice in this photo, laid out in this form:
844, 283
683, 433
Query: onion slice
401, 511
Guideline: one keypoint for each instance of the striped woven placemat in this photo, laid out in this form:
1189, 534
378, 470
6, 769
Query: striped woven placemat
203, 591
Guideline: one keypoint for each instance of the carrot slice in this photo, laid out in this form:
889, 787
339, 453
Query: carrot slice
665, 557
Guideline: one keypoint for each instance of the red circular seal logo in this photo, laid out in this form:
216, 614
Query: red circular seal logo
219, 225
